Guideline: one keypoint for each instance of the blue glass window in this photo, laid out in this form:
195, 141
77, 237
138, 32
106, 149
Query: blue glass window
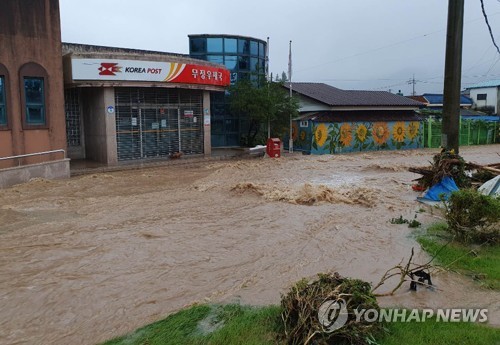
214, 45
3, 113
254, 64
230, 61
254, 48
34, 95
230, 45
262, 50
243, 63
243, 46
216, 58
198, 45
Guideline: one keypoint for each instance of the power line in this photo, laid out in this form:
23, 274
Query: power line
381, 48
489, 27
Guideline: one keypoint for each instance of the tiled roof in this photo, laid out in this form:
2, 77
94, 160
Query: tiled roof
362, 116
333, 96
420, 99
490, 83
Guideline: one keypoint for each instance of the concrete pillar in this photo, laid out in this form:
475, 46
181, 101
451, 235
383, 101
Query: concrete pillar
207, 138
98, 106
110, 109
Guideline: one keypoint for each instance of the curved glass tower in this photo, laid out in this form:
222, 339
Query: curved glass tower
246, 58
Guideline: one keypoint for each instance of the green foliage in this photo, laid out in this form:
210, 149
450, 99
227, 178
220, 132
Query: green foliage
414, 223
478, 262
440, 333
301, 305
473, 217
262, 325
216, 325
269, 103
430, 112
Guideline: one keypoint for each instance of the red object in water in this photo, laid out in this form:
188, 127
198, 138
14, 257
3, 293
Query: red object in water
273, 148
418, 188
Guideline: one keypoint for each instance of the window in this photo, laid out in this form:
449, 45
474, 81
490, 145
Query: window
230, 45
243, 63
215, 58
262, 51
254, 48
34, 96
214, 45
198, 45
3, 112
231, 61
254, 64
481, 96
35, 91
243, 46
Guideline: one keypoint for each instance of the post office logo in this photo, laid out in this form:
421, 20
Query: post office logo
108, 68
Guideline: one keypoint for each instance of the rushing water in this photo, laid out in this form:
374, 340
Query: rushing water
90, 258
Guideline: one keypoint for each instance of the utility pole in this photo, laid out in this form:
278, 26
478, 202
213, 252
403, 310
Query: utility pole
414, 82
453, 76
290, 141
269, 81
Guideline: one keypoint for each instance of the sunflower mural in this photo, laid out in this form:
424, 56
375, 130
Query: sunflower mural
361, 133
381, 133
337, 137
413, 131
320, 135
345, 137
398, 132
398, 135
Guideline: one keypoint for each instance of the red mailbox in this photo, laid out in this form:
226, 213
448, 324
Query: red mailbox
273, 148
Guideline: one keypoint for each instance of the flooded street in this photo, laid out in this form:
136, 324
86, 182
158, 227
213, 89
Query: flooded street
93, 257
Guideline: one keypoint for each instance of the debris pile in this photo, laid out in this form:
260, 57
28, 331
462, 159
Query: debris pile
322, 311
448, 164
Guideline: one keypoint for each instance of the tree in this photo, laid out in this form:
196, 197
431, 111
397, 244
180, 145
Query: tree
268, 104
283, 78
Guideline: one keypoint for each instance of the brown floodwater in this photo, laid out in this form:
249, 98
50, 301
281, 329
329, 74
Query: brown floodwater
89, 258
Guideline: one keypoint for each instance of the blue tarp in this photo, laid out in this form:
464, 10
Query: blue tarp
441, 189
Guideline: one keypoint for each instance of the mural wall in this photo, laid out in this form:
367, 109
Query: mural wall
327, 138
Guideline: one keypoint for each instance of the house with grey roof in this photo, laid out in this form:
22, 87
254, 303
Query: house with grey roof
333, 120
486, 96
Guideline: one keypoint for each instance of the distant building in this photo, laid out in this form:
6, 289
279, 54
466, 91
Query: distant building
334, 120
476, 127
31, 92
434, 101
486, 96
246, 59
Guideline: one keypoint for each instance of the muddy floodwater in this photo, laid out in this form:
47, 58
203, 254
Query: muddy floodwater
93, 257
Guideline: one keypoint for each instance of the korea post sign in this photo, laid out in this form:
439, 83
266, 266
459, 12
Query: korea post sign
135, 70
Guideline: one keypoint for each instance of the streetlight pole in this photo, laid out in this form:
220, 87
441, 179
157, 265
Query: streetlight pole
453, 76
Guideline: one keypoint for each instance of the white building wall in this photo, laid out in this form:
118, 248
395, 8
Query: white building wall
492, 97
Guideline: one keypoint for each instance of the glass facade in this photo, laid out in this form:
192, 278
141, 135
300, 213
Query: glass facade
245, 58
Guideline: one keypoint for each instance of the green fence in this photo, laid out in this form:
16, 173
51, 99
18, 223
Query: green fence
472, 132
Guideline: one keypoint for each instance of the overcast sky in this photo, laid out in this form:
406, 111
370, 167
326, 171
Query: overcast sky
351, 44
